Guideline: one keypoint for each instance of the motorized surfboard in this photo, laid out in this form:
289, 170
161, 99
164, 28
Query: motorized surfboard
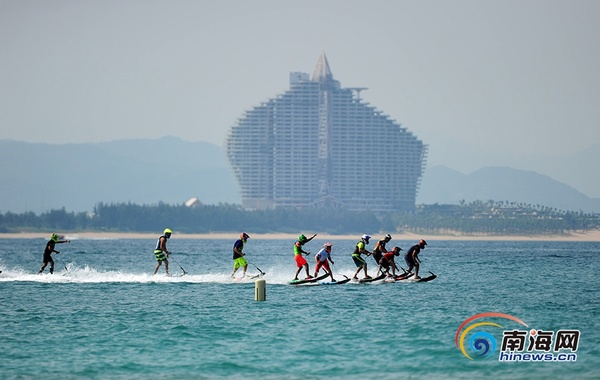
338, 282
408, 276
366, 280
309, 280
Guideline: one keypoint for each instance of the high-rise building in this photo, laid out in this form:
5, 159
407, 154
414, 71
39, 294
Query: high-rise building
320, 145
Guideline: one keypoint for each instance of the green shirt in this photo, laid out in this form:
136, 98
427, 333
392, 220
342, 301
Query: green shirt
297, 248
359, 247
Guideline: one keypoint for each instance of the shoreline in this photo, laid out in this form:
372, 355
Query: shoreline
588, 236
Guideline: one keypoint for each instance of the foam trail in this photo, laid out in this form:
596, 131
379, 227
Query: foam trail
90, 275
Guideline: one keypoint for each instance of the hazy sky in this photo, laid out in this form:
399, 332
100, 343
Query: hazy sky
481, 82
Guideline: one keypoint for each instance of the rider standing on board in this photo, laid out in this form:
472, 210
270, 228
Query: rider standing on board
239, 261
300, 260
412, 257
322, 258
49, 250
359, 261
380, 249
160, 252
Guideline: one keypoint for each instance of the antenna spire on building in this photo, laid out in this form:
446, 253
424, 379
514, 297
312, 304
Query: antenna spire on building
322, 72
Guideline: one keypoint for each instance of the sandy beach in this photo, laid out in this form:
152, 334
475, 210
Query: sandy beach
588, 236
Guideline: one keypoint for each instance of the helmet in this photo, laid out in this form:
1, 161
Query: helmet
302, 238
54, 237
167, 231
397, 250
422, 243
388, 237
327, 245
244, 236
366, 238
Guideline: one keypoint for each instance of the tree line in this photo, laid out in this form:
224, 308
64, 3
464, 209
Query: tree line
478, 217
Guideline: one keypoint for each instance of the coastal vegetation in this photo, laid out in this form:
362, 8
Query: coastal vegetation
479, 217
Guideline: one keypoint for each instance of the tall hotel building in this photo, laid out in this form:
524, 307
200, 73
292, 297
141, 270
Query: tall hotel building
320, 145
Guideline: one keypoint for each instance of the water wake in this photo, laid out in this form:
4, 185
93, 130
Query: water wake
87, 274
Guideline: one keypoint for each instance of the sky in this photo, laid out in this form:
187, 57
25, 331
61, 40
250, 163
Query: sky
482, 83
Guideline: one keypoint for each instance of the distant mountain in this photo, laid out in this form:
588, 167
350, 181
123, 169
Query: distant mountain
444, 185
579, 169
41, 177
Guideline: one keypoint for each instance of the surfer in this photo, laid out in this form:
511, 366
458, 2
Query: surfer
160, 252
412, 257
49, 250
358, 260
380, 249
322, 258
300, 260
387, 261
238, 256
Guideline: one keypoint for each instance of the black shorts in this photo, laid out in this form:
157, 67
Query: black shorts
48, 258
377, 256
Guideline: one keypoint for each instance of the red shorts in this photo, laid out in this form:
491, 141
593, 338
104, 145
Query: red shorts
322, 264
300, 261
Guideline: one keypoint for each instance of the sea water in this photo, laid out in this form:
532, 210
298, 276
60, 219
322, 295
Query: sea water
102, 314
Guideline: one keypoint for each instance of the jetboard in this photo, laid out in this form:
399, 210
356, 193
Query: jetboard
431, 277
255, 276
367, 280
309, 280
410, 278
338, 282
248, 278
404, 276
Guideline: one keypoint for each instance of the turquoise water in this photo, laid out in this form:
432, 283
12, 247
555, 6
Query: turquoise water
106, 316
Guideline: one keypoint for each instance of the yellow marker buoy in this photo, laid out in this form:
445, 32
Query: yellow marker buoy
260, 290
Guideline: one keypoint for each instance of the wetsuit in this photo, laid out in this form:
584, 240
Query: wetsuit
408, 257
48, 255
